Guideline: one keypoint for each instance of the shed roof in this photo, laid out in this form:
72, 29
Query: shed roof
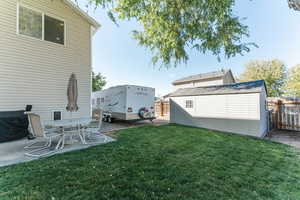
234, 88
83, 14
209, 75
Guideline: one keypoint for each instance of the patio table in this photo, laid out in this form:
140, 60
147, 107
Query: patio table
77, 123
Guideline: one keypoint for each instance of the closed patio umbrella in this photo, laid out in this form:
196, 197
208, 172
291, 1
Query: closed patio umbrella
72, 94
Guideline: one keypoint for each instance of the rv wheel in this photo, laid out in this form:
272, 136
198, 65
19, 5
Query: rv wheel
110, 120
105, 118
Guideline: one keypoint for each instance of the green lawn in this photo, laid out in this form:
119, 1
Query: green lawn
166, 162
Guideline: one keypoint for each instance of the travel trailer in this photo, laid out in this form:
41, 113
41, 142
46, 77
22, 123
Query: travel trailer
125, 102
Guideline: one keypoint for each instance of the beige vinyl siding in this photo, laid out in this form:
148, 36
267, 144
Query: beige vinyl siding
36, 72
200, 83
236, 113
208, 83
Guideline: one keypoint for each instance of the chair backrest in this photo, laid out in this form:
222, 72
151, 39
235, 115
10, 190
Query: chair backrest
97, 115
36, 125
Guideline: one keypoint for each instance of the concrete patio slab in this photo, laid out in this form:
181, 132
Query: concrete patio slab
14, 152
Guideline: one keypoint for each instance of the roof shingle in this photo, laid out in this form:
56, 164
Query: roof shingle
235, 88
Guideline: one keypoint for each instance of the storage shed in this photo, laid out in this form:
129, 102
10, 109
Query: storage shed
237, 108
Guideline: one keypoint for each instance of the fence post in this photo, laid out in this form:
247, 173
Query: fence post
161, 109
279, 114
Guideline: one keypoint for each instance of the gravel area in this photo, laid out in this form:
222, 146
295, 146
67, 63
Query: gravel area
291, 138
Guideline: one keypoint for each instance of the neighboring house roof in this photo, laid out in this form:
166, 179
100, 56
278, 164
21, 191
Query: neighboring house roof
235, 88
82, 13
204, 76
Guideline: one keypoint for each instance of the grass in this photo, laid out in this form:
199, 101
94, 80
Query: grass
167, 162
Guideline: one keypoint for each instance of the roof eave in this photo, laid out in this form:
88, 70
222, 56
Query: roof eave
83, 14
253, 92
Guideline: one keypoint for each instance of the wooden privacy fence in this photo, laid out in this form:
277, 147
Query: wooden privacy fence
284, 113
162, 109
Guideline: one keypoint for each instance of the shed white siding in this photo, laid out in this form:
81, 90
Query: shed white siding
236, 113
36, 72
264, 116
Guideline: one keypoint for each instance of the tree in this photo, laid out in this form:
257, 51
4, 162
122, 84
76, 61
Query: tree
169, 28
98, 81
292, 86
272, 71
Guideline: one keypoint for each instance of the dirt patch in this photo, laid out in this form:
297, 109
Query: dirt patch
110, 128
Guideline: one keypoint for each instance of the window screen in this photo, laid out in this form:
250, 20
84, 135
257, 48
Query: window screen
54, 30
30, 23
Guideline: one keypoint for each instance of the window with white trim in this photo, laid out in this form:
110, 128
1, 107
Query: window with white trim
189, 104
30, 23
57, 115
38, 25
54, 30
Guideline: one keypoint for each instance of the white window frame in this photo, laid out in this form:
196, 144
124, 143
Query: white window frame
52, 114
189, 103
43, 24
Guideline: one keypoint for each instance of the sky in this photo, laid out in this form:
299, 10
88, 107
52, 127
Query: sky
272, 25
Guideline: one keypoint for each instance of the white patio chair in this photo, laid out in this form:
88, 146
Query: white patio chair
38, 131
92, 132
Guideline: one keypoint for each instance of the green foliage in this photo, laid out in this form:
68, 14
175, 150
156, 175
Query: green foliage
272, 71
292, 86
98, 81
168, 162
170, 28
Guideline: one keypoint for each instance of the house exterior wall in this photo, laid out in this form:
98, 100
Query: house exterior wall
236, 113
36, 72
201, 83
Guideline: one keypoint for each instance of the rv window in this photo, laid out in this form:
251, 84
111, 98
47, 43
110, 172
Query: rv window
189, 104
102, 100
56, 115
98, 101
